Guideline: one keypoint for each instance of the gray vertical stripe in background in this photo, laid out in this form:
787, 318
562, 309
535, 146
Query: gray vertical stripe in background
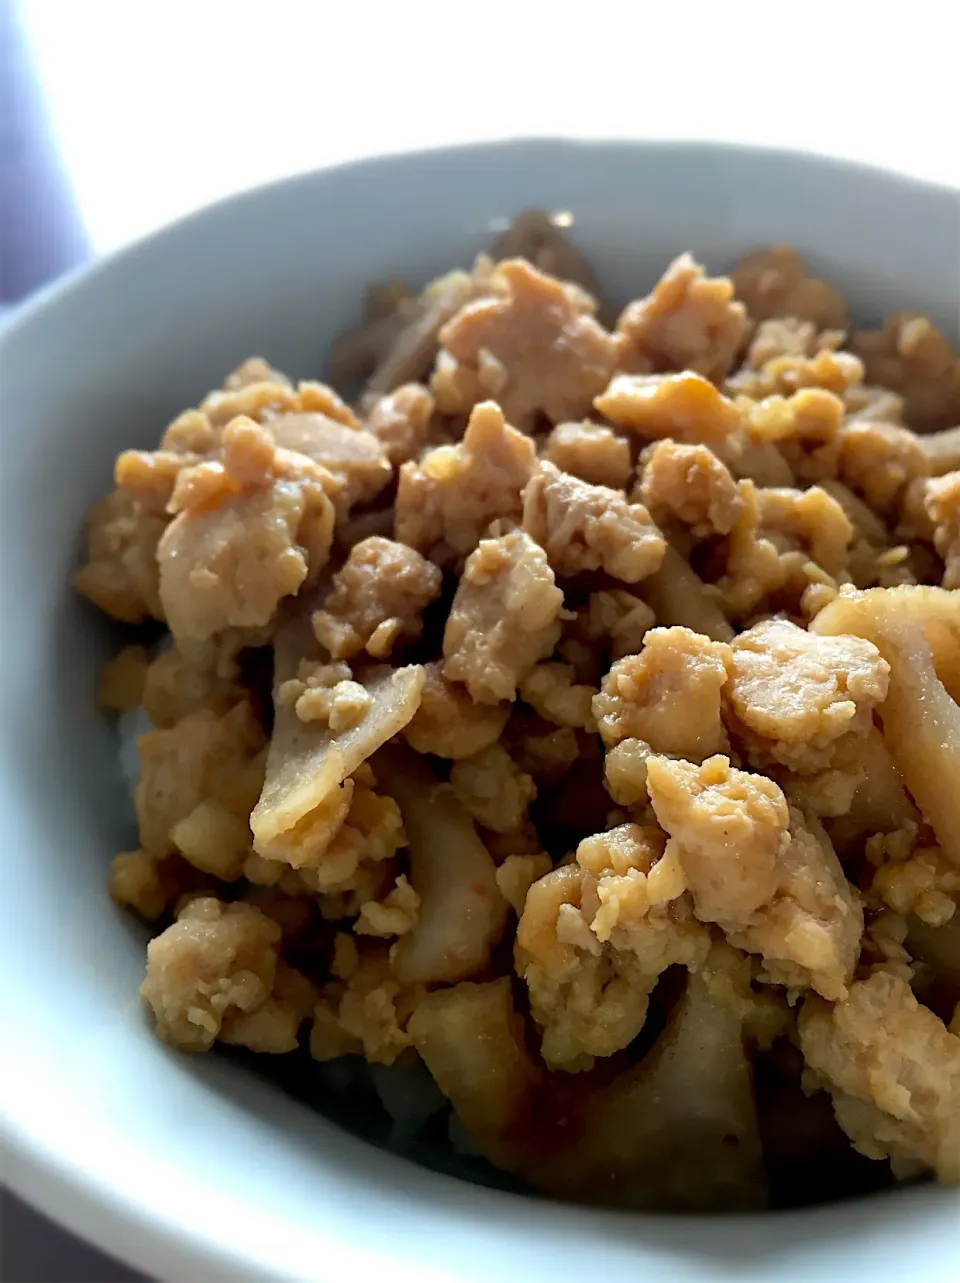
41, 235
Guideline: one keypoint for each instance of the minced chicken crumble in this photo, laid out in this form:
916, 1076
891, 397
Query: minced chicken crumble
574, 715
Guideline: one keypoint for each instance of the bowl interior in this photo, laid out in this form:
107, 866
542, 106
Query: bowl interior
189, 1164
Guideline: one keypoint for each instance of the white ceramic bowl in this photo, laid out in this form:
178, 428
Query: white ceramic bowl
187, 1166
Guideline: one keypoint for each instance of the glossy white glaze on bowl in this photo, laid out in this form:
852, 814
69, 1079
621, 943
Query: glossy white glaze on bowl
185, 1165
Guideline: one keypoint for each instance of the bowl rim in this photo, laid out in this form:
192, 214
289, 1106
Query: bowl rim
102, 1211
26, 312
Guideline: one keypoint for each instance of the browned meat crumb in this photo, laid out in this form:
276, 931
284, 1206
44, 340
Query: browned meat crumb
150, 476
190, 434
532, 344
121, 575
215, 966
517, 874
893, 1071
728, 828
911, 356
689, 483
273, 1027
774, 282
504, 617
587, 1001
780, 336
912, 877
809, 934
786, 550
204, 757
377, 600
352, 867
591, 452
493, 789
621, 618
772, 883
942, 502
261, 401
401, 422
803, 428
826, 794
364, 1009
878, 460
593, 938
122, 679
326, 693
794, 694
148, 884
176, 683
808, 517
396, 914
546, 752
830, 371
135, 880
584, 527
448, 723
668, 696
248, 532
685, 406
689, 322
551, 689
787, 354
446, 501
253, 370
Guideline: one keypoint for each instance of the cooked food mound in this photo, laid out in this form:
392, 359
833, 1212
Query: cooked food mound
552, 744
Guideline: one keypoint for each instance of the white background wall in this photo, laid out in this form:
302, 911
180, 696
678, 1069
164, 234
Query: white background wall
163, 105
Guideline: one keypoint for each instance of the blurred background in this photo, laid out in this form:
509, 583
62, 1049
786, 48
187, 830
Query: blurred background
117, 116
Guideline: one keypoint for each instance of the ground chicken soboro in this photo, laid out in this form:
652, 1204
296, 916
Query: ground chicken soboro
690, 484
557, 780
942, 501
668, 695
584, 527
447, 499
533, 345
378, 599
247, 532
689, 322
591, 452
794, 695
401, 422
503, 619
